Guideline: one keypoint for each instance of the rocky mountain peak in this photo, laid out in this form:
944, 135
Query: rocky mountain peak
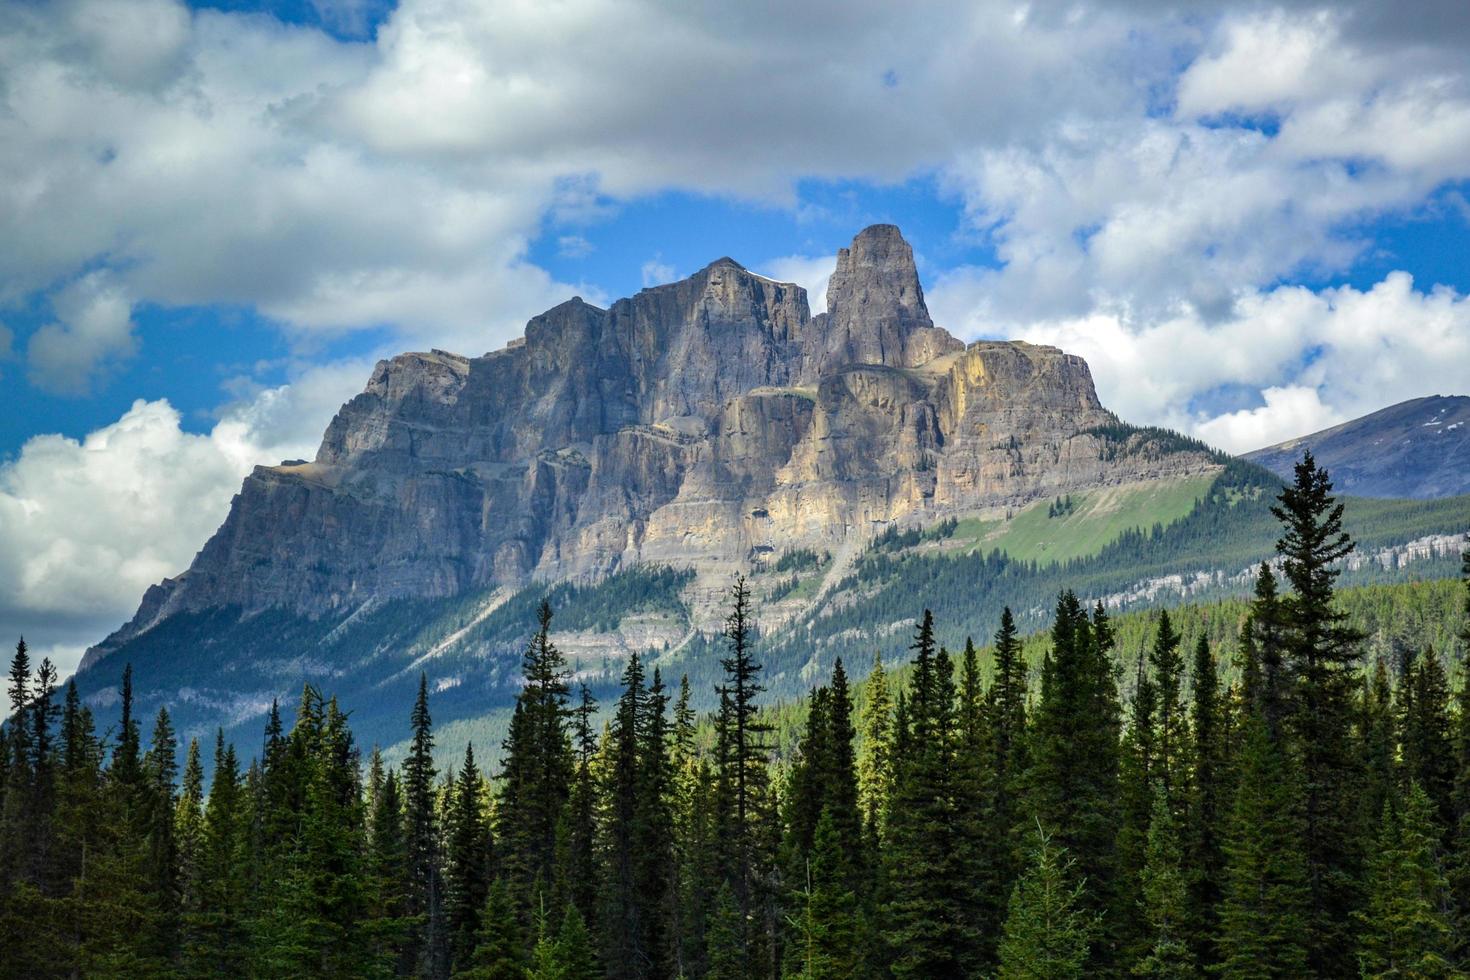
704, 424
875, 307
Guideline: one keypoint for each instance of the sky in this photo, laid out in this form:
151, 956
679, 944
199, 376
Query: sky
1252, 219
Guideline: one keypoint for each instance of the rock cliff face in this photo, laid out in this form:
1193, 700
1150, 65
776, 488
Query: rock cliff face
706, 423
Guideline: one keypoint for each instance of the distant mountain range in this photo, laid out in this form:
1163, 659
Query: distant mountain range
1418, 449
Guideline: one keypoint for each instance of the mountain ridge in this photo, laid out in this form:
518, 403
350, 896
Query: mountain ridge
708, 423
1418, 449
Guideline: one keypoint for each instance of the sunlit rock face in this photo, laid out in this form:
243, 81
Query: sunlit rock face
699, 423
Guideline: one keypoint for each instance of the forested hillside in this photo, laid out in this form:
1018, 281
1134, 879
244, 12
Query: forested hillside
1274, 788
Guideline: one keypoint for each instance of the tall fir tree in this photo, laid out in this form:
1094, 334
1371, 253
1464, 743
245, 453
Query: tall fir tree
537, 772
1048, 927
1166, 906
1323, 654
1265, 913
1205, 832
1405, 930
742, 752
428, 947
467, 860
931, 912
875, 769
1072, 783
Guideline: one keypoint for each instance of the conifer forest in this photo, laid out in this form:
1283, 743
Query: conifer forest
1275, 806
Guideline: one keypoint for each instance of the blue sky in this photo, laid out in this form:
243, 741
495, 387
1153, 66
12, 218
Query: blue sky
1250, 217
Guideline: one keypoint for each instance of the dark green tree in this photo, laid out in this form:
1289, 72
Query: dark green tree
467, 860
1048, 927
1072, 784
1405, 931
424, 899
1323, 654
1265, 914
1166, 906
536, 777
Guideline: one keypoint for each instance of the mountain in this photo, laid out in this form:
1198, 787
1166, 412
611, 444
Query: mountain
709, 423
623, 463
1418, 448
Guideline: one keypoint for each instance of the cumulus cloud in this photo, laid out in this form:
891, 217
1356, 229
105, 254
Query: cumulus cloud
1300, 359
93, 330
87, 525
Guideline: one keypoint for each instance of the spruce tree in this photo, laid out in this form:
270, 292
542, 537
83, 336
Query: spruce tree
828, 941
467, 860
1165, 898
577, 861
537, 772
1265, 914
214, 927
1048, 928
932, 909
427, 947
1323, 652
741, 757
1405, 931
875, 772
189, 828
500, 949
1426, 734
1208, 810
1072, 783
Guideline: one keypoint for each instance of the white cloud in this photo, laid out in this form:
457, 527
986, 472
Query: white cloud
92, 331
656, 272
87, 525
810, 272
1353, 350
1287, 413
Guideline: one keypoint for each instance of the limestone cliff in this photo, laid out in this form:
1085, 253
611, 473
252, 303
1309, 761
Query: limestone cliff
709, 423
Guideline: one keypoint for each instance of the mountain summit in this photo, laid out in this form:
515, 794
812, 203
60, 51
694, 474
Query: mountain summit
706, 424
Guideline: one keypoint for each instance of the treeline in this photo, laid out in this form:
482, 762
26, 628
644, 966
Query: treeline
1307, 817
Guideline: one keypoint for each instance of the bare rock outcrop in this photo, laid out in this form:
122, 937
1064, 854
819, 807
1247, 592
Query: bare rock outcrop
699, 423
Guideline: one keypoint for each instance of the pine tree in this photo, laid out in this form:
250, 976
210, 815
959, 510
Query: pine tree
189, 828
467, 860
1174, 763
161, 768
428, 944
875, 772
577, 861
1072, 782
1323, 653
726, 952
1458, 859
828, 941
500, 952
1204, 838
1265, 915
1165, 897
1047, 928
638, 846
1426, 734
1378, 743
741, 758
695, 849
537, 772
1404, 927
214, 928
932, 907
387, 869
